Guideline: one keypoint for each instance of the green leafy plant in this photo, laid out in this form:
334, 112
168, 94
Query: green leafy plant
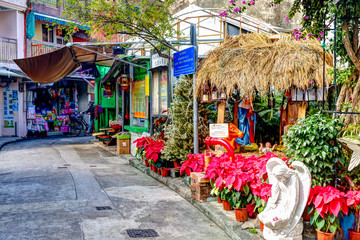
227, 195
241, 199
312, 140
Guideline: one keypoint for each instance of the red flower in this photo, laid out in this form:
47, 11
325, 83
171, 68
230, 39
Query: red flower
328, 200
194, 163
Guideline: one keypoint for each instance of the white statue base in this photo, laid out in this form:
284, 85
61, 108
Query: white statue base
295, 234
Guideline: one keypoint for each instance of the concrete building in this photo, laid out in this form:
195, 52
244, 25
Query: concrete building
44, 35
12, 87
261, 11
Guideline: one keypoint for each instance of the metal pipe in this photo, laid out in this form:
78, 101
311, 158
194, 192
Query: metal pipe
195, 103
209, 141
117, 100
335, 78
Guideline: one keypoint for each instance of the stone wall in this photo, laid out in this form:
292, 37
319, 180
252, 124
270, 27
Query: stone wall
272, 15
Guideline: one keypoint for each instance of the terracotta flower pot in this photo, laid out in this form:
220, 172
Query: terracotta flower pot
147, 164
324, 236
176, 164
241, 214
154, 169
164, 172
226, 205
353, 235
261, 226
305, 215
159, 171
219, 199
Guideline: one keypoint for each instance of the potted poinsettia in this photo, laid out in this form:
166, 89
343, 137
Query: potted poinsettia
226, 195
240, 201
193, 163
326, 202
353, 201
141, 144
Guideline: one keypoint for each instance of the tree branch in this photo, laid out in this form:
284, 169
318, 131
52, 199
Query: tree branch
348, 46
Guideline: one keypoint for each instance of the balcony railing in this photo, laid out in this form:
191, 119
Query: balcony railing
39, 48
52, 3
8, 49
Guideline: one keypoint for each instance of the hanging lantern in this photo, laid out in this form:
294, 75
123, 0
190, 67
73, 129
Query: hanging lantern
214, 94
205, 93
124, 80
222, 95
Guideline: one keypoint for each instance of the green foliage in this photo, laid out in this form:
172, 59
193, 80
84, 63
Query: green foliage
179, 132
343, 75
267, 124
253, 231
241, 199
312, 141
329, 223
149, 20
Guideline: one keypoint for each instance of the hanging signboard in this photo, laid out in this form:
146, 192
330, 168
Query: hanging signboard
157, 61
8, 108
219, 130
184, 62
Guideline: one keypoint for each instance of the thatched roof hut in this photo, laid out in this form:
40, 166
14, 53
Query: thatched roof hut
254, 62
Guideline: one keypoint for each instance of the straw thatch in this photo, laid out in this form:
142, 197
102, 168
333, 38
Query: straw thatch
254, 62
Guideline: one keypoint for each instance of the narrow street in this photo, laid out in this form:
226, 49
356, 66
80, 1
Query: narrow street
50, 189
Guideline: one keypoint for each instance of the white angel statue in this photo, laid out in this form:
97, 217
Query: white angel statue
289, 194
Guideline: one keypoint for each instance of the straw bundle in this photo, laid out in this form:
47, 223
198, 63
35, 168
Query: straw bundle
253, 63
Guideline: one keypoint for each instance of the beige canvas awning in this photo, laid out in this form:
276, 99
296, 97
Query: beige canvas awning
52, 67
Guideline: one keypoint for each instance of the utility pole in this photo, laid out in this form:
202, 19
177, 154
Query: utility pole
195, 103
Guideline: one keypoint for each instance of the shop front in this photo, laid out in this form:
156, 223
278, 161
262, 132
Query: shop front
139, 94
160, 91
56, 107
12, 112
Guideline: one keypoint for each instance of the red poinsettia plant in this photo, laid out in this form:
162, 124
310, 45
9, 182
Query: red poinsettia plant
141, 144
149, 147
153, 150
194, 163
353, 202
326, 202
244, 177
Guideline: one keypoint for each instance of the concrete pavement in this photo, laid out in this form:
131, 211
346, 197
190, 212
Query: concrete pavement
50, 188
6, 140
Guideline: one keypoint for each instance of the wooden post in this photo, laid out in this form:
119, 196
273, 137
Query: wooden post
236, 114
221, 112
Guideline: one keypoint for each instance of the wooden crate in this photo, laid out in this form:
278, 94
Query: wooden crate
123, 146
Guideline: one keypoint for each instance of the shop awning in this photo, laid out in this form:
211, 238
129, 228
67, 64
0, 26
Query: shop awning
56, 20
6, 73
52, 67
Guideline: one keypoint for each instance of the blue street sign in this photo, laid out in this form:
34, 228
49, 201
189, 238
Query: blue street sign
184, 62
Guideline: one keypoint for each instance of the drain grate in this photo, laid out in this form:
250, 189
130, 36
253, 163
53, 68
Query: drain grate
92, 166
103, 208
67, 165
140, 233
61, 167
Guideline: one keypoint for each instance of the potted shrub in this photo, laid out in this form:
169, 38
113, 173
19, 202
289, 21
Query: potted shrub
311, 141
353, 201
326, 202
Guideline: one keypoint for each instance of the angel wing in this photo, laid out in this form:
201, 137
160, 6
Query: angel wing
355, 147
304, 178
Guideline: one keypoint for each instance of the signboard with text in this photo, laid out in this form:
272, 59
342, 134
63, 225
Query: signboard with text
184, 62
219, 130
157, 61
